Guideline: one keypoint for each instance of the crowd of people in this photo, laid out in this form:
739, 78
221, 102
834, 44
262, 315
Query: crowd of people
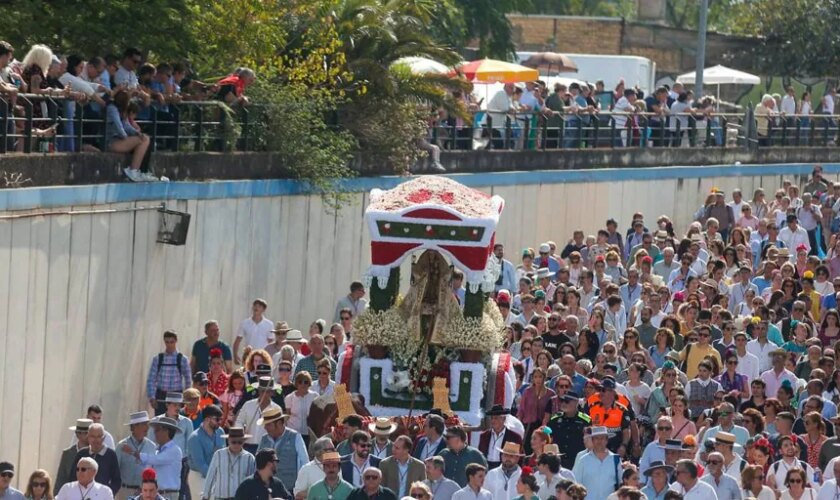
115, 93
650, 363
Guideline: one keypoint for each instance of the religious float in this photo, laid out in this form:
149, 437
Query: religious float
424, 350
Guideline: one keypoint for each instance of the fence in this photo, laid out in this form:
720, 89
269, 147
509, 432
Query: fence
536, 131
186, 126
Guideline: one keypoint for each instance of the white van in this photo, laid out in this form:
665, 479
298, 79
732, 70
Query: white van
634, 70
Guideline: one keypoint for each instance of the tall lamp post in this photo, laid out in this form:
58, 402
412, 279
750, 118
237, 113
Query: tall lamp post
701, 48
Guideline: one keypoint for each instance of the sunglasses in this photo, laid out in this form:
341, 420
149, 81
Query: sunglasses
664, 428
564, 386
7, 475
304, 382
39, 485
363, 445
284, 369
371, 478
82, 469
236, 441
795, 481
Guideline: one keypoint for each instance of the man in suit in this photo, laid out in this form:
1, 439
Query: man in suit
354, 465
400, 470
431, 443
494, 438
67, 464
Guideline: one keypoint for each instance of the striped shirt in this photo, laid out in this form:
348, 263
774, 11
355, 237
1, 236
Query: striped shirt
167, 377
226, 473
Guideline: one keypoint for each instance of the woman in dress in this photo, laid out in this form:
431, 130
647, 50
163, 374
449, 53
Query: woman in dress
527, 266
539, 439
680, 421
638, 392
658, 402
39, 486
759, 204
231, 397
218, 378
814, 437
532, 407
730, 379
574, 308
772, 407
830, 328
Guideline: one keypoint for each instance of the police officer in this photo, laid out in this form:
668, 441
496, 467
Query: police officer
252, 393
567, 427
617, 418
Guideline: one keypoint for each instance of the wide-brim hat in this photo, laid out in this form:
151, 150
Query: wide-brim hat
497, 410
511, 448
661, 236
294, 336
544, 272
672, 444
236, 433
272, 414
658, 464
266, 383
724, 438
167, 422
173, 397
783, 252
552, 449
382, 426
281, 327
138, 417
82, 425
330, 456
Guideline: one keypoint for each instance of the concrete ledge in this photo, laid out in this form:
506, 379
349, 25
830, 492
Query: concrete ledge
21, 170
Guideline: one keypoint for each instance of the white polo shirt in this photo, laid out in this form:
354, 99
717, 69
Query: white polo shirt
256, 335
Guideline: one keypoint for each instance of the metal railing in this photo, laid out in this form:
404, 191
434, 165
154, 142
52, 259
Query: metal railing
536, 131
185, 126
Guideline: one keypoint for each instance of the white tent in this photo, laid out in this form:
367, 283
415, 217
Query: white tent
421, 65
721, 75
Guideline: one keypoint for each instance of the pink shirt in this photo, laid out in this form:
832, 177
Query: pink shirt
532, 409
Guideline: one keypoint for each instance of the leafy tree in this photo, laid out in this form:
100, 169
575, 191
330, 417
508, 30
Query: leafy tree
796, 37
97, 27
486, 20
611, 8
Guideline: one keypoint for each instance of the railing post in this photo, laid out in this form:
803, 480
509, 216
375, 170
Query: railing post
526, 132
579, 133
678, 133
612, 132
543, 132
692, 131
154, 129
245, 116
644, 132
508, 132
798, 131
596, 124
784, 131
176, 112
4, 135
825, 131
80, 123
488, 126
199, 141
709, 125
27, 128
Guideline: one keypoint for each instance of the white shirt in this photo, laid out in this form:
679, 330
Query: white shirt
788, 105
762, 353
310, 474
700, 491
248, 416
622, 106
256, 335
502, 487
828, 104
793, 239
298, 408
467, 493
498, 107
495, 443
94, 491
748, 365
829, 490
779, 470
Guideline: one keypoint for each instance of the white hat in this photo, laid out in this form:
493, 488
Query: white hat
294, 336
599, 431
138, 417
545, 248
544, 272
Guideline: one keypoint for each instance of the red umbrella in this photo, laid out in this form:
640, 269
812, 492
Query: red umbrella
551, 61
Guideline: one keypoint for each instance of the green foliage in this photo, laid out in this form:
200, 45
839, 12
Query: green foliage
608, 8
97, 27
798, 37
486, 20
295, 127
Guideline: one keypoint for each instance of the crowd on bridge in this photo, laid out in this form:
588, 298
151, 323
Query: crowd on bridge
654, 362
115, 94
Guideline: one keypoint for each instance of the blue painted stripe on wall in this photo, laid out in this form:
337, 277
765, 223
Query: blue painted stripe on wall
98, 194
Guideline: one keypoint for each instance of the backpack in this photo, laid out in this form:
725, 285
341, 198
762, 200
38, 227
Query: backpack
178, 360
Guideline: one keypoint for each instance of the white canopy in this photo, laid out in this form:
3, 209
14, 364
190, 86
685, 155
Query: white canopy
421, 65
721, 75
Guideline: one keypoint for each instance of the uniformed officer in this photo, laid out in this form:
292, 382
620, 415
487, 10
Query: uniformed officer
609, 413
251, 391
567, 427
